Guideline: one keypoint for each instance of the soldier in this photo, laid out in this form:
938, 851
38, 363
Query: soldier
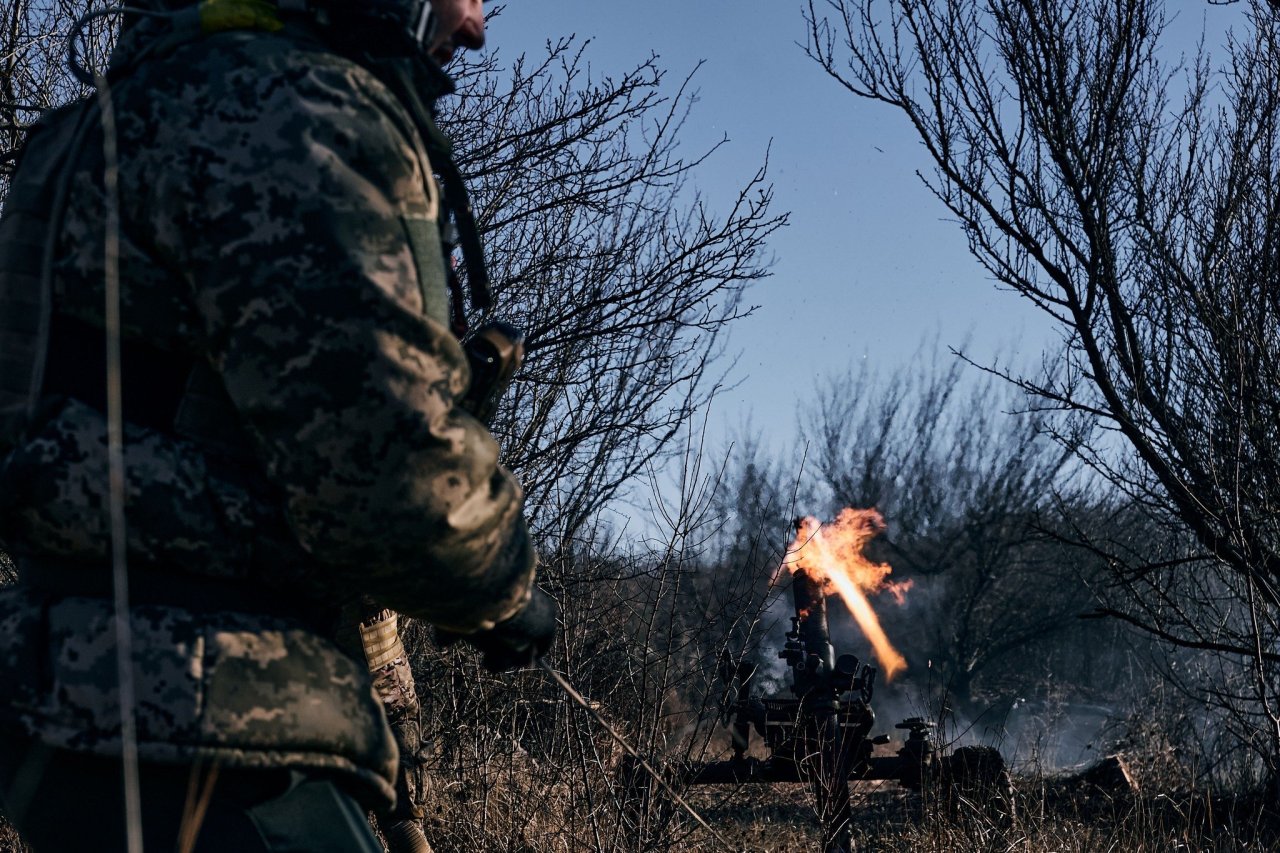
291, 439
393, 683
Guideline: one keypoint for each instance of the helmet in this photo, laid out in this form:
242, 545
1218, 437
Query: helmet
384, 27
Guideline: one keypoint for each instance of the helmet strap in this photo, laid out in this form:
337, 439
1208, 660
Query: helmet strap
424, 31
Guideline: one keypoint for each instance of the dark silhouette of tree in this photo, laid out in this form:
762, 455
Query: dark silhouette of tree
1134, 201
33, 68
622, 273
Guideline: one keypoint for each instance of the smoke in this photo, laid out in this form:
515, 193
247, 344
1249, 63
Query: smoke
773, 676
1033, 735
1048, 736
1034, 716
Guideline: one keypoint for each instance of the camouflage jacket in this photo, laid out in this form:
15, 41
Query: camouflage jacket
279, 226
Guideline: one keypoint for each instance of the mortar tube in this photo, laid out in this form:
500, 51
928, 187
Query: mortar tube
811, 610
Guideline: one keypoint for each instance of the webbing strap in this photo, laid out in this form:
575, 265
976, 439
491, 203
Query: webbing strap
398, 73
380, 639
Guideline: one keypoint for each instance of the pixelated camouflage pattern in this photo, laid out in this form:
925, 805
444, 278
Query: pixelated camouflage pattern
393, 684
413, 782
249, 691
377, 634
279, 222
56, 494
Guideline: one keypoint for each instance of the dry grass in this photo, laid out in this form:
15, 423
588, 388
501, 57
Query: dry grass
9, 840
887, 819
890, 820
1050, 817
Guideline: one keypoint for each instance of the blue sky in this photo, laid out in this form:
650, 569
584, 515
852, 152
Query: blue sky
868, 269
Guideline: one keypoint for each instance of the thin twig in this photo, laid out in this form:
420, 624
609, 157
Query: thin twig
613, 733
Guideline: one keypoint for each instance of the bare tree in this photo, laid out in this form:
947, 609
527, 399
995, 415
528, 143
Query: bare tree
33, 65
622, 273
1133, 201
642, 636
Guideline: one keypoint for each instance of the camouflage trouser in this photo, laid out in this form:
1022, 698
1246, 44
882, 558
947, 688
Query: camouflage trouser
393, 682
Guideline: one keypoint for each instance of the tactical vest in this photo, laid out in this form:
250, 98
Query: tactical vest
30, 226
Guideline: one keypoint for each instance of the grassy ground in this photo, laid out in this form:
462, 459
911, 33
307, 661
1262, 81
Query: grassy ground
779, 819
889, 820
1047, 817
9, 841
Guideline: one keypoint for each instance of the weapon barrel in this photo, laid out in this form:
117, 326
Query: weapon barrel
811, 611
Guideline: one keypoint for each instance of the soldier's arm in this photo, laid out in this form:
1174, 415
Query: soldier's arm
306, 193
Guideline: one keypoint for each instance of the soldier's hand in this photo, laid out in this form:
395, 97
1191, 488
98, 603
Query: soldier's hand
515, 642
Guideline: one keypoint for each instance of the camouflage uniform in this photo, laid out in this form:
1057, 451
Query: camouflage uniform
279, 237
376, 637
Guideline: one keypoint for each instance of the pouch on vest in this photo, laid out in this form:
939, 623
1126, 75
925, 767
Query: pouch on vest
29, 230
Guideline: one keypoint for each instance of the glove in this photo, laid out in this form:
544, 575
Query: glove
516, 641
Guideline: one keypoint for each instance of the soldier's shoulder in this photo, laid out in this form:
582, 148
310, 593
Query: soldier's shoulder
242, 73
255, 118
240, 99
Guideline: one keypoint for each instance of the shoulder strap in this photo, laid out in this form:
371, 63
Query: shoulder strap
407, 77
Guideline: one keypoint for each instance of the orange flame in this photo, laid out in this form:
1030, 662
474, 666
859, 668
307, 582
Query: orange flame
832, 553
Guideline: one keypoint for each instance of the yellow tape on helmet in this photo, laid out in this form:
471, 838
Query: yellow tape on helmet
219, 15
